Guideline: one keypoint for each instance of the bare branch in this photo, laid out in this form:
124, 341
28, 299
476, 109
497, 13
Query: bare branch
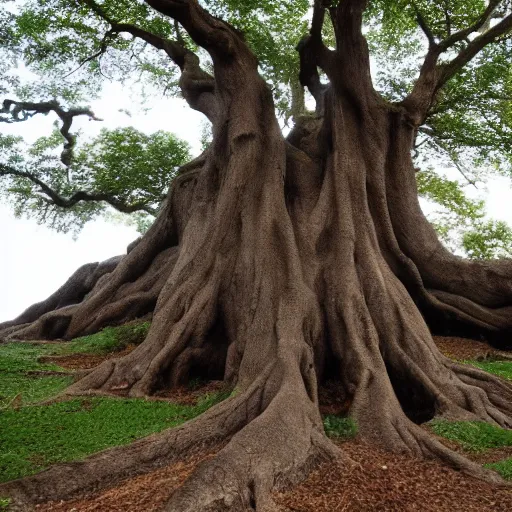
99, 53
18, 111
196, 84
56, 199
433, 75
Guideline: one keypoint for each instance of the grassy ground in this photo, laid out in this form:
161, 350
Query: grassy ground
502, 369
33, 436
478, 437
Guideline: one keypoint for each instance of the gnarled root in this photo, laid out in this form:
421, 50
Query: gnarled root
275, 438
73, 291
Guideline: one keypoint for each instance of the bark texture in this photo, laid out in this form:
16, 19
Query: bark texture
277, 264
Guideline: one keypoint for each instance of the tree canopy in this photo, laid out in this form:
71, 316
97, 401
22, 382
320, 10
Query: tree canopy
71, 47
122, 168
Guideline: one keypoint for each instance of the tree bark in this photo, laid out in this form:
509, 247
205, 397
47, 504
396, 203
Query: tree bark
277, 264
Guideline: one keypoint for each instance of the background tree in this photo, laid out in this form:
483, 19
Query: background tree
280, 262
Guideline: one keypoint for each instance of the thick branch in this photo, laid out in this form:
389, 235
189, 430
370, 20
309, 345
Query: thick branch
313, 54
194, 80
81, 195
213, 34
348, 17
434, 75
462, 35
424, 26
474, 47
352, 49
17, 111
308, 76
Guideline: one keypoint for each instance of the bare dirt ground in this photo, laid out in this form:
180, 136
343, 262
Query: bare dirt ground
379, 481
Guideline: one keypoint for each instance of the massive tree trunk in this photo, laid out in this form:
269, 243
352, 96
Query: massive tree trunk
277, 264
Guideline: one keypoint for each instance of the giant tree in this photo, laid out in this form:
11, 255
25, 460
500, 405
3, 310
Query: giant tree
280, 262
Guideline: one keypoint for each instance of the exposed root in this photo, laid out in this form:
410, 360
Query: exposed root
73, 291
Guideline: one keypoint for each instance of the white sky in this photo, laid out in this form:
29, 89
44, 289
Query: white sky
35, 261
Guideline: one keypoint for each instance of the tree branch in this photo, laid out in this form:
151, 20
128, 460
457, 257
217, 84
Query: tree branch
462, 35
433, 75
196, 84
213, 34
312, 54
351, 47
18, 111
424, 25
474, 47
56, 199
97, 55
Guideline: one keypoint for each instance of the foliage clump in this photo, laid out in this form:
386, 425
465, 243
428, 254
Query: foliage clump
340, 428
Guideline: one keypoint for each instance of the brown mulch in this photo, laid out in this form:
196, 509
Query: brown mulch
491, 455
378, 481
381, 481
464, 349
147, 493
83, 361
184, 395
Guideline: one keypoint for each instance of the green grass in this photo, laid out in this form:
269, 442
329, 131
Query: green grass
4, 503
502, 369
16, 359
503, 467
340, 428
23, 357
30, 388
110, 339
33, 437
474, 436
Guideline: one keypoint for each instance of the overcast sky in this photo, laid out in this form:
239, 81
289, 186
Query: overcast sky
35, 261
